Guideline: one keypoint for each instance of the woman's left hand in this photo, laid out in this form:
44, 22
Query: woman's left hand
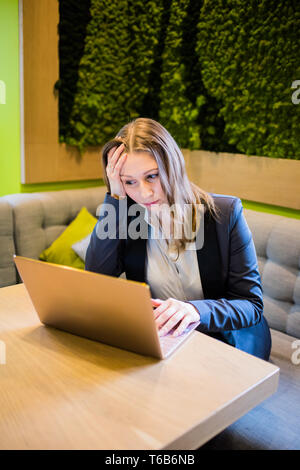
171, 312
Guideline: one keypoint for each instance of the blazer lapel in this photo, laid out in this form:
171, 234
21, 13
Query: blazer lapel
209, 261
135, 251
135, 259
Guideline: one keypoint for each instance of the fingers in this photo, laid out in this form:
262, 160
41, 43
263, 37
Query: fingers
156, 302
163, 317
115, 161
173, 313
164, 305
120, 162
182, 326
114, 154
171, 323
167, 314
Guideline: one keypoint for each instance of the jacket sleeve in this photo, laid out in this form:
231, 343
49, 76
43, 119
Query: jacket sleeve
242, 306
106, 248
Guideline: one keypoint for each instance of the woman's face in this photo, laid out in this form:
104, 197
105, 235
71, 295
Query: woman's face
140, 177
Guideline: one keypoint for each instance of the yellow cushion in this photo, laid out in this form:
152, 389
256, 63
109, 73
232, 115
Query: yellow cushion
61, 252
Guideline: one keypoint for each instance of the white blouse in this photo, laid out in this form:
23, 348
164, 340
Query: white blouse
179, 279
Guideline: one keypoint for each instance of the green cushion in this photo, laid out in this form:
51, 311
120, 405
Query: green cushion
61, 252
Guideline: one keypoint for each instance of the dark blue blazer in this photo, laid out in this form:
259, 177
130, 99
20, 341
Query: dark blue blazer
232, 308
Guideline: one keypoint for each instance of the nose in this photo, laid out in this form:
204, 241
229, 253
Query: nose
146, 192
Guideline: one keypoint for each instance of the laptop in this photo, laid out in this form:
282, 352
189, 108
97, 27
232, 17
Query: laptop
103, 308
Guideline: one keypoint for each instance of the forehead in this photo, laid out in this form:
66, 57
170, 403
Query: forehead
137, 163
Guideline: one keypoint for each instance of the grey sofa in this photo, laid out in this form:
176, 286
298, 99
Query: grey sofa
7, 246
29, 223
275, 424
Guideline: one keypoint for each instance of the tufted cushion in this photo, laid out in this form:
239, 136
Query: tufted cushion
7, 247
39, 218
277, 242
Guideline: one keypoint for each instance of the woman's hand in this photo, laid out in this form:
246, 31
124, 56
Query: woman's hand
172, 312
115, 161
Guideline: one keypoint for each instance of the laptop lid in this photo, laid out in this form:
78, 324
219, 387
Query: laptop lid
111, 310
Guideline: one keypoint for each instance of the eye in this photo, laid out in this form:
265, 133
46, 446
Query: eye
153, 176
129, 183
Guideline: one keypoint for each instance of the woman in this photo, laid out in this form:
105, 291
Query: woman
217, 282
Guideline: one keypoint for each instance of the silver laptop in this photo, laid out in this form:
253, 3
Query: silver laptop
107, 309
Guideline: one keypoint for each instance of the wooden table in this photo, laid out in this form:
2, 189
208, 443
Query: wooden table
60, 391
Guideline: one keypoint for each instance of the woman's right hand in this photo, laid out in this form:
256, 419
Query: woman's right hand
115, 161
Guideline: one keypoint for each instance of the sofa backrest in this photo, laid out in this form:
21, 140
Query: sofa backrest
39, 218
277, 243
7, 247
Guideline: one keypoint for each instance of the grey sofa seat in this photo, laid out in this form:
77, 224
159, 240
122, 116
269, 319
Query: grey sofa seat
39, 218
274, 424
7, 247
277, 243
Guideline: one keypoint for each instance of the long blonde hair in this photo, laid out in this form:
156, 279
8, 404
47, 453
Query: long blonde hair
147, 135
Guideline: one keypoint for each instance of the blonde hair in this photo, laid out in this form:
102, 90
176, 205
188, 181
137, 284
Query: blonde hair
147, 135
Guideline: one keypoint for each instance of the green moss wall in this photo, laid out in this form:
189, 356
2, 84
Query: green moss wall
10, 148
218, 75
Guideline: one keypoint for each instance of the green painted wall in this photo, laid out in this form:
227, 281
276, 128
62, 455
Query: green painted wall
10, 166
260, 207
9, 111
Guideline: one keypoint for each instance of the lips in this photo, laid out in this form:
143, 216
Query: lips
150, 203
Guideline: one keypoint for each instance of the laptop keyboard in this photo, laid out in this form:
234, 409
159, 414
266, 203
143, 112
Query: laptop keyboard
169, 342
